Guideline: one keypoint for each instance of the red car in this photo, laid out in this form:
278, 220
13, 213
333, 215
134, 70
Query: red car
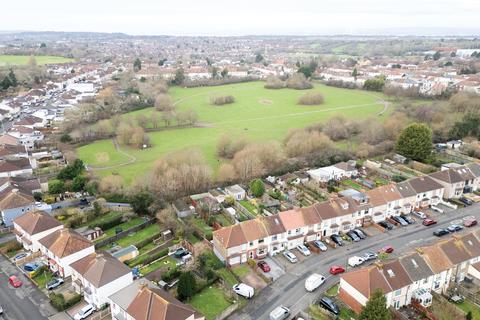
15, 282
428, 222
336, 270
386, 249
470, 223
264, 266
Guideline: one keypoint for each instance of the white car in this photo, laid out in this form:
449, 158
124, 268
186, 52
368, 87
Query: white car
279, 313
244, 290
84, 312
303, 249
420, 214
290, 256
314, 281
355, 261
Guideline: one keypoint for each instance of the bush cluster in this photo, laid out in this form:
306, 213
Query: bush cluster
108, 224
221, 100
171, 274
58, 301
311, 99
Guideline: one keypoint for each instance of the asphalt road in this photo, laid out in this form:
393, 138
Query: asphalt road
289, 290
24, 303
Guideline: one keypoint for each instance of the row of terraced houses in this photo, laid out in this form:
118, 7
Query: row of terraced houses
257, 238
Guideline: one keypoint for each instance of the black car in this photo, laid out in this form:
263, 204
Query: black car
386, 225
329, 305
440, 232
337, 239
352, 235
359, 233
400, 220
466, 201
410, 220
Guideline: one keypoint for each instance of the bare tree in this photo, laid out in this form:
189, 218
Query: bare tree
163, 102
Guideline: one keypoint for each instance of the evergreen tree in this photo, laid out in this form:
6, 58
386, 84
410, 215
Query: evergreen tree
137, 65
376, 308
415, 142
179, 76
355, 73
257, 188
469, 316
12, 78
5, 84
187, 285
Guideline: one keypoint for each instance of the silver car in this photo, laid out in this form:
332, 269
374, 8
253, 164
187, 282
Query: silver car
290, 256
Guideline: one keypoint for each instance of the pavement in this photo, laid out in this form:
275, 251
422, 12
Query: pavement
289, 289
24, 303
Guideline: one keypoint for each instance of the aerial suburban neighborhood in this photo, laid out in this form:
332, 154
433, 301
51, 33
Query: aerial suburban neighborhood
162, 167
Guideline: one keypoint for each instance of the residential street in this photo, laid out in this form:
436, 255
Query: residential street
289, 289
24, 303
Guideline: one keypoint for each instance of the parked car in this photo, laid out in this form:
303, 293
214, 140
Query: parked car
369, 256
279, 313
420, 214
337, 239
243, 290
437, 209
440, 232
15, 282
359, 233
470, 222
386, 249
352, 235
264, 266
84, 312
465, 201
400, 220
290, 256
409, 219
386, 225
180, 252
428, 222
21, 256
54, 283
328, 304
336, 270
314, 281
303, 249
320, 245
1, 309
30, 267
355, 261
454, 228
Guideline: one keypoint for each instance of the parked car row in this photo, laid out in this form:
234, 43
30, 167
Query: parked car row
403, 220
354, 235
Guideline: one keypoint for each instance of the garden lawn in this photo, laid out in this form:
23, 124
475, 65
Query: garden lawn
139, 235
125, 226
43, 278
332, 291
162, 263
241, 270
205, 228
250, 207
23, 60
104, 217
258, 114
227, 276
210, 302
468, 306
223, 220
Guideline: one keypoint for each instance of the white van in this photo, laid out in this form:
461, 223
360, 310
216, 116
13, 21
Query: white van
84, 312
355, 261
244, 290
279, 313
314, 281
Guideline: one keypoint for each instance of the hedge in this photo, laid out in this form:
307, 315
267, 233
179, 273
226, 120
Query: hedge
142, 243
108, 224
58, 301
146, 258
171, 274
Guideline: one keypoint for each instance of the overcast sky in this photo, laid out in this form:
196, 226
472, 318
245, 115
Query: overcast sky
239, 17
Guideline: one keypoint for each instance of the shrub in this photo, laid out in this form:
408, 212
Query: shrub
311, 99
221, 100
56, 186
299, 82
171, 274
274, 83
209, 261
58, 301
38, 196
10, 246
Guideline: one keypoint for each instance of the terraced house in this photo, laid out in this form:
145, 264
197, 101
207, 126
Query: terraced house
414, 276
256, 238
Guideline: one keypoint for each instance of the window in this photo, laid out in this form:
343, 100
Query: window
398, 292
436, 285
261, 241
274, 237
297, 230
251, 244
289, 232
425, 281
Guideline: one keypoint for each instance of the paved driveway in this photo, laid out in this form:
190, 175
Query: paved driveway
276, 270
24, 303
289, 289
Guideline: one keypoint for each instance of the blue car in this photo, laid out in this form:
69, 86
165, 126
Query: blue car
29, 267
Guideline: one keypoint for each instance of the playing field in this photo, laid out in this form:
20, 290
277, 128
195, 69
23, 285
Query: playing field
258, 113
22, 60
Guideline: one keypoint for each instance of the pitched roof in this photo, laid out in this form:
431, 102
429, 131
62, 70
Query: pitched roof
100, 268
453, 175
14, 165
455, 251
424, 184
34, 222
273, 224
471, 244
406, 189
11, 150
157, 304
436, 258
292, 219
9, 139
416, 266
396, 275
231, 236
367, 280
65, 242
474, 169
11, 198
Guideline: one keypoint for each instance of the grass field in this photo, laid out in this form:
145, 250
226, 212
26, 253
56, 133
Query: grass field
22, 60
258, 114
210, 302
